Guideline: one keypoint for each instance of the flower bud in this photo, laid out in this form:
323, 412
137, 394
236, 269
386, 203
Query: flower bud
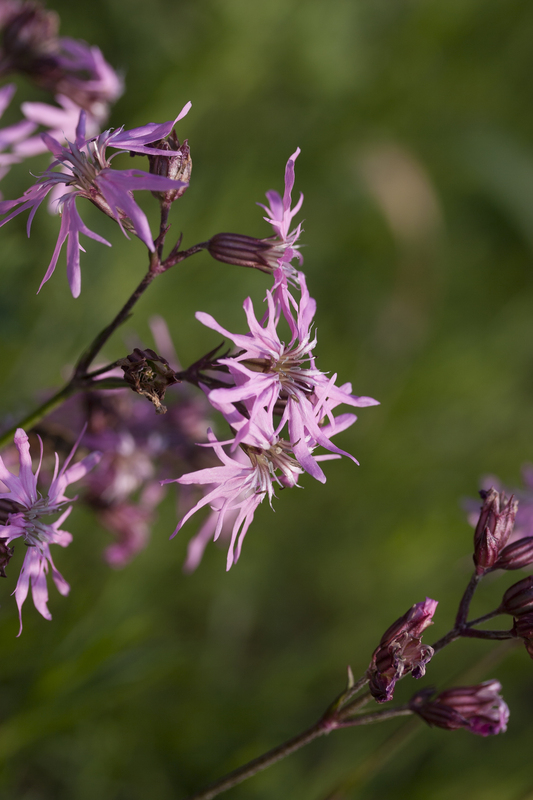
495, 524
245, 251
177, 167
401, 651
480, 709
518, 599
516, 555
149, 375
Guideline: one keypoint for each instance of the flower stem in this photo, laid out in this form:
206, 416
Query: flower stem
82, 380
466, 599
262, 762
320, 728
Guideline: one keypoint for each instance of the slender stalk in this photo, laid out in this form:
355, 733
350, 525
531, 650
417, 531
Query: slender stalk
320, 728
466, 599
484, 618
377, 716
262, 762
475, 634
96, 345
82, 380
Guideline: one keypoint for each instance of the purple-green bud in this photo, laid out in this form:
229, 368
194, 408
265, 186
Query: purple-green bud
245, 251
495, 524
516, 555
518, 599
480, 709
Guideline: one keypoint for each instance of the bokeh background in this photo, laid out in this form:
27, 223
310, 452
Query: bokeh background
416, 127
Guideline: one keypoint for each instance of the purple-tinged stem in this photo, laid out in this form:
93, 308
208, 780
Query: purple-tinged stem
484, 618
473, 633
466, 599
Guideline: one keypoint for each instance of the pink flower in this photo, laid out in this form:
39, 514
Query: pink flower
280, 215
240, 486
272, 376
26, 520
61, 121
86, 172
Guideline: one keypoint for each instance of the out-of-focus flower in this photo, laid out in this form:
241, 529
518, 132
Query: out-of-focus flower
27, 520
480, 709
493, 529
131, 523
86, 172
138, 449
61, 121
401, 651
60, 65
13, 135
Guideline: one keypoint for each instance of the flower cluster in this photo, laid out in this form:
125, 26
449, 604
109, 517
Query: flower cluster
278, 404
26, 513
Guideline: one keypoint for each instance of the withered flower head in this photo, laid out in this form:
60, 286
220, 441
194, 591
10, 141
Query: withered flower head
149, 375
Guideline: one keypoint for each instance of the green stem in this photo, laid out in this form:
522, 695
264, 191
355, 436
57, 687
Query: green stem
320, 728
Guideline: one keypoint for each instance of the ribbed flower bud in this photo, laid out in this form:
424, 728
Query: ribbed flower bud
177, 167
401, 651
518, 599
516, 555
245, 251
480, 709
149, 375
495, 524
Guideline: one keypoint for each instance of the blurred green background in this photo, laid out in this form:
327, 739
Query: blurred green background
416, 127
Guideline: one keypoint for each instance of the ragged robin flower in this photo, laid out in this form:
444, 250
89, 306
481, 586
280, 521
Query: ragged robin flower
29, 520
85, 171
